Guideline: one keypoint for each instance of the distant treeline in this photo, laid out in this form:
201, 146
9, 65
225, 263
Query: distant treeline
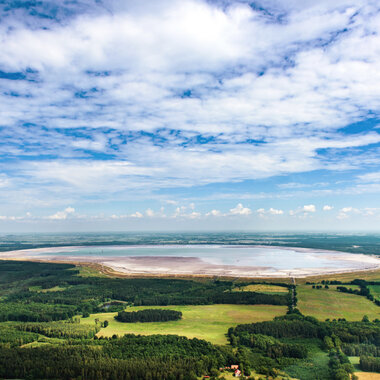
367, 244
148, 315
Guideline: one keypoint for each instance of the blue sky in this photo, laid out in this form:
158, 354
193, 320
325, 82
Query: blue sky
189, 115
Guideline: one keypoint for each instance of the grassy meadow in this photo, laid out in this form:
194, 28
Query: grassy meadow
330, 303
375, 290
209, 322
262, 288
370, 275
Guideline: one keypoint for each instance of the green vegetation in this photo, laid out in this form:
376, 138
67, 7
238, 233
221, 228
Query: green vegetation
375, 290
329, 303
148, 315
130, 357
209, 322
58, 321
261, 288
34, 312
70, 329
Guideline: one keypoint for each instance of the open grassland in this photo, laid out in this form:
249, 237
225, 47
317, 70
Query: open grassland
209, 322
353, 287
90, 270
329, 303
315, 367
261, 288
375, 290
39, 289
370, 275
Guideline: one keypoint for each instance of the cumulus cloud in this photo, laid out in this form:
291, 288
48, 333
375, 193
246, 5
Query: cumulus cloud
270, 211
303, 212
214, 213
345, 212
61, 215
327, 208
122, 99
240, 210
309, 208
149, 213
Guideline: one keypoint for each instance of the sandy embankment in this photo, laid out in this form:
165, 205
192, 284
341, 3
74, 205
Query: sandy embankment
170, 265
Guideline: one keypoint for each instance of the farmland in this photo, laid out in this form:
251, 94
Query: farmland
209, 322
329, 303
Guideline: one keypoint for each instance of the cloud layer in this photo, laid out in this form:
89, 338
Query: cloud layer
114, 101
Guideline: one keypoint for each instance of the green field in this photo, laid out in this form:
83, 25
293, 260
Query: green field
329, 303
375, 291
39, 289
353, 287
209, 322
262, 288
355, 360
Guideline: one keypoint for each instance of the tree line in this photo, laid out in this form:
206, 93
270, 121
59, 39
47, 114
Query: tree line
148, 315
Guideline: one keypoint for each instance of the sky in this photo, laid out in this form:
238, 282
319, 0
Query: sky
191, 115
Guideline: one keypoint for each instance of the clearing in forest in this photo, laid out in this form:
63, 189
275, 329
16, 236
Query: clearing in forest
209, 322
261, 288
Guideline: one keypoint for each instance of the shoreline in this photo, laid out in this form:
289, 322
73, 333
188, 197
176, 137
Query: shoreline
188, 266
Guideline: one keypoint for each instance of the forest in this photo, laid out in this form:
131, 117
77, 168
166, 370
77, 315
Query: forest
148, 315
42, 336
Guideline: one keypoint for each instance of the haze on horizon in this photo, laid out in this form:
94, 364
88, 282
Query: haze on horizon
189, 115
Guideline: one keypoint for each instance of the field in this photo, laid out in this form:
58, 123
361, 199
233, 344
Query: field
353, 287
368, 375
371, 275
209, 322
329, 303
38, 289
375, 290
262, 288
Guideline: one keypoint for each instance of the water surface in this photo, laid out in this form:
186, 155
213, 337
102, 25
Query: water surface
275, 257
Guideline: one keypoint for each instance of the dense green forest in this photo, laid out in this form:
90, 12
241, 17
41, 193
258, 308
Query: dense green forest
41, 336
148, 315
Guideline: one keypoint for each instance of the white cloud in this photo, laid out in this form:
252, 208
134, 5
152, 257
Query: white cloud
370, 177
309, 208
61, 215
150, 213
194, 215
327, 208
270, 211
240, 210
274, 211
171, 202
137, 214
214, 213
345, 212
101, 79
